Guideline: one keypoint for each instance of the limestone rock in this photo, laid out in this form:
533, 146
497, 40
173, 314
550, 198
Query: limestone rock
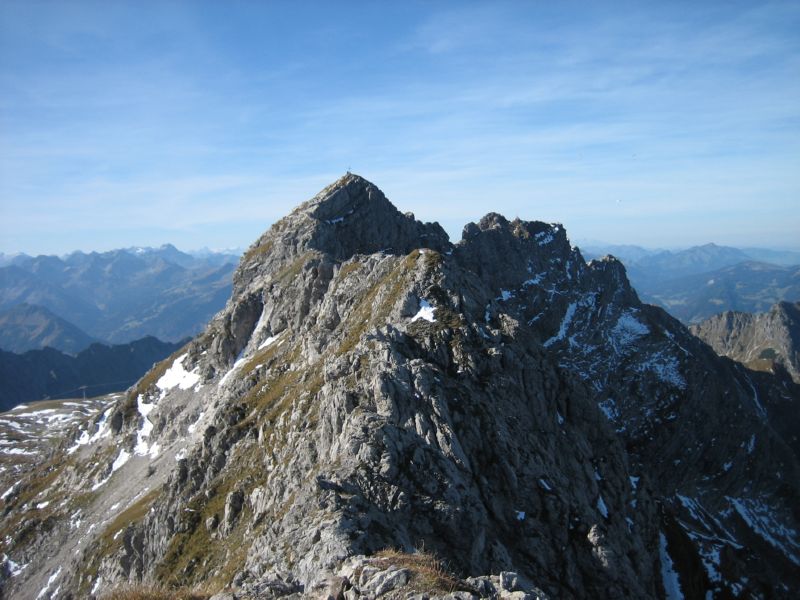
371, 389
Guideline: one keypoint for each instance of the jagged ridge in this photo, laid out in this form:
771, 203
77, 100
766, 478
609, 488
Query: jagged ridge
322, 414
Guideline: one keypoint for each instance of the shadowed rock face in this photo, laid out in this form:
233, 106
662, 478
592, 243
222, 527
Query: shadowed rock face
371, 385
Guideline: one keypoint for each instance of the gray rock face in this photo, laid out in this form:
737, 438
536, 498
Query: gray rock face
763, 341
370, 386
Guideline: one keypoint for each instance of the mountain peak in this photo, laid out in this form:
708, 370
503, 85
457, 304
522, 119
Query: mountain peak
350, 216
504, 405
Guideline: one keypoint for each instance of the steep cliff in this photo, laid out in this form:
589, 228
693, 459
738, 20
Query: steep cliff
761, 341
369, 385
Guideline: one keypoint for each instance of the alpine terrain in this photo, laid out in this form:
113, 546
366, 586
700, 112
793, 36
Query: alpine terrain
373, 394
99, 369
763, 341
700, 282
116, 296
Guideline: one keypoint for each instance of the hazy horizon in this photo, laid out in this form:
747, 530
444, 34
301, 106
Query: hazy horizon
201, 123
580, 243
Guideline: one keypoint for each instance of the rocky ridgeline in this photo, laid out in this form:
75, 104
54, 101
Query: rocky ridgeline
514, 411
767, 341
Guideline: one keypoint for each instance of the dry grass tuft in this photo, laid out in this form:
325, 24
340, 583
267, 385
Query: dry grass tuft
428, 573
151, 592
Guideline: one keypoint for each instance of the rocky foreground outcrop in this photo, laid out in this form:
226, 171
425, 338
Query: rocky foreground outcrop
370, 386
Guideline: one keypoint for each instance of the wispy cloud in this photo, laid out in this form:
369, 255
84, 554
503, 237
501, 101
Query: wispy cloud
628, 121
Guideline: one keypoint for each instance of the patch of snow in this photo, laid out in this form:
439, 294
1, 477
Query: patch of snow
425, 312
710, 558
181, 454
239, 362
18, 451
101, 432
545, 485
154, 450
13, 568
44, 411
142, 448
756, 401
544, 237
627, 330
340, 219
520, 515
559, 418
269, 341
535, 280
100, 483
672, 585
42, 505
601, 507
597, 476
634, 482
44, 592
609, 408
121, 459
103, 429
562, 330
193, 427
176, 375
666, 368
751, 444
9, 491
727, 466
505, 295
762, 521
707, 520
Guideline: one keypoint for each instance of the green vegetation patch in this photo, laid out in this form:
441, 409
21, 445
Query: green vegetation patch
349, 268
256, 251
293, 269
110, 541
193, 556
433, 260
22, 518
373, 308
768, 354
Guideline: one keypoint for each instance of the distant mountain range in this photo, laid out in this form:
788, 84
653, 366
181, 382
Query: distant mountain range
702, 281
115, 296
101, 369
26, 327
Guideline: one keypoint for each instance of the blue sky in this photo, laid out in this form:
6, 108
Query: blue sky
201, 123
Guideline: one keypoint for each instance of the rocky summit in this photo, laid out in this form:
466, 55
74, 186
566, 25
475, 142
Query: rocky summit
378, 412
